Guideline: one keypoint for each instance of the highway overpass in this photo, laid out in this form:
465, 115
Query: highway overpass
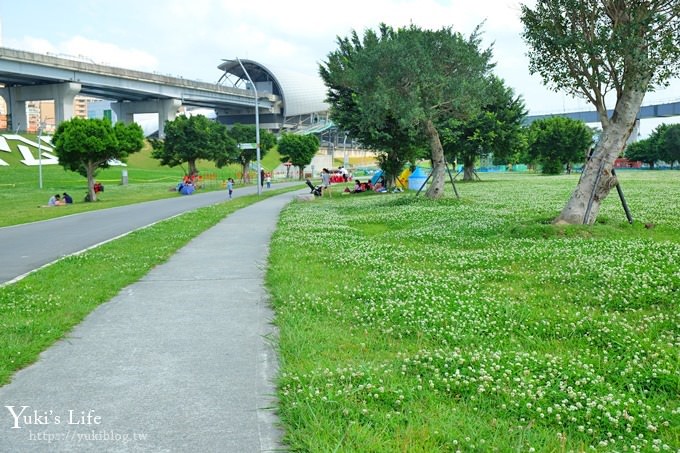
662, 110
28, 76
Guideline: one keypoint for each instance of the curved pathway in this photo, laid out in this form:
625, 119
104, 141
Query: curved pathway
27, 247
180, 361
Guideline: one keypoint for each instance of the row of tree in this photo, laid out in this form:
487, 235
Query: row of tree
662, 145
440, 101
88, 145
190, 138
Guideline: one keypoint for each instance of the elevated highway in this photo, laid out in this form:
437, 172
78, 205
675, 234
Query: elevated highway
28, 76
659, 110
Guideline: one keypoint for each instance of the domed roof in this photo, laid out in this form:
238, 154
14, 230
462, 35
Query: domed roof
301, 93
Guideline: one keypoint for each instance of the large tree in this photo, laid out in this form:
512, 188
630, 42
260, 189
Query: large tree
596, 49
247, 134
190, 138
412, 78
394, 144
87, 145
556, 141
496, 129
297, 149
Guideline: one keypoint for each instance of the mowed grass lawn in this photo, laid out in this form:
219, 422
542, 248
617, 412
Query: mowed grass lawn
476, 325
21, 196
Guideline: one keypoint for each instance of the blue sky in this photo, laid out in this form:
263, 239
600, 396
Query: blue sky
188, 38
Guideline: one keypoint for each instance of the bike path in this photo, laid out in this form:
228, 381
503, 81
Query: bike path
27, 247
181, 361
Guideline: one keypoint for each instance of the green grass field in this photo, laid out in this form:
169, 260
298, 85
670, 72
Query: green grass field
476, 325
454, 325
21, 196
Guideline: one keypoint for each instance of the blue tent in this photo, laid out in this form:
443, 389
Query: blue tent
376, 177
417, 179
187, 189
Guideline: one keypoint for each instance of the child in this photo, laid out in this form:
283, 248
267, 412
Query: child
268, 180
230, 186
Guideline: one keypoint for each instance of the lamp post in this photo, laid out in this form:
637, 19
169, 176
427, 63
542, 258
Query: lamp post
345, 161
257, 129
40, 178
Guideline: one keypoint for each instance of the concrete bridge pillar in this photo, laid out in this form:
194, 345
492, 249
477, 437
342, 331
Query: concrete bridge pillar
123, 111
62, 94
167, 112
63, 100
165, 108
16, 111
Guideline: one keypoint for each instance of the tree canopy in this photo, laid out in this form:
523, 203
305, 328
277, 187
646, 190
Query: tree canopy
496, 129
669, 144
406, 83
599, 50
190, 138
644, 151
557, 141
663, 144
243, 133
87, 145
297, 149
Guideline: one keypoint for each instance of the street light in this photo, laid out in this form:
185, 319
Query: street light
40, 178
257, 129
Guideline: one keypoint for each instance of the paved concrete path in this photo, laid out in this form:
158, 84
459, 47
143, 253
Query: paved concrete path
29, 246
180, 361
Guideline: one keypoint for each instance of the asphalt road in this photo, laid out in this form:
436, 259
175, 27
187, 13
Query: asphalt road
27, 247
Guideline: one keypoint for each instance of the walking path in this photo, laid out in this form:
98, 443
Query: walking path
180, 361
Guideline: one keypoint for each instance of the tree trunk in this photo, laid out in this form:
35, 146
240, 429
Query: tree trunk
301, 176
192, 168
468, 168
436, 189
246, 171
597, 178
92, 195
391, 181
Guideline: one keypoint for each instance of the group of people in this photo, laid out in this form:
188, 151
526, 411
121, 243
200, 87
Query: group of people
367, 186
359, 186
60, 200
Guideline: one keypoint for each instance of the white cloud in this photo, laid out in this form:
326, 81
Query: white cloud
190, 38
110, 54
89, 50
31, 44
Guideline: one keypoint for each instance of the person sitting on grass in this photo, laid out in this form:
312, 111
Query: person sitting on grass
55, 200
67, 198
358, 187
379, 187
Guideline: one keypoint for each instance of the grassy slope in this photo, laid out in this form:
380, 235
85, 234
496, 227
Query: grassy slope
21, 196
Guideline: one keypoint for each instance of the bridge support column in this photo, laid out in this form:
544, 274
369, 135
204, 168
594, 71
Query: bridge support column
165, 108
16, 111
62, 94
167, 112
